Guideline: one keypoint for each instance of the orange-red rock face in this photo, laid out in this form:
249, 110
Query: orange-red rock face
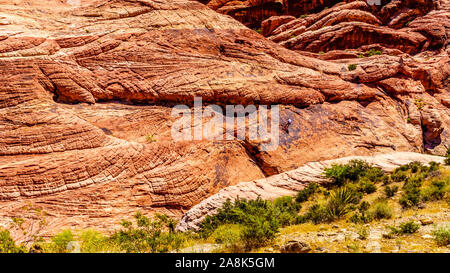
87, 93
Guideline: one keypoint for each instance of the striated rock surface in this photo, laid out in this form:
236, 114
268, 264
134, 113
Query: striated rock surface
289, 183
252, 12
88, 88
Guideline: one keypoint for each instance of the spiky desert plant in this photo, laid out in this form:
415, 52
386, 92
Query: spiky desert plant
340, 202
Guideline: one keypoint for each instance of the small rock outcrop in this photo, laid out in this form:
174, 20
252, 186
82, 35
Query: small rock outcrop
295, 247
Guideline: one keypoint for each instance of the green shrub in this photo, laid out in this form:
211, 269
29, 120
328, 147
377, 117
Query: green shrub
367, 186
352, 67
150, 138
338, 173
415, 166
405, 228
60, 242
413, 181
304, 194
411, 196
7, 244
286, 210
390, 191
148, 235
374, 174
363, 206
402, 168
434, 166
381, 210
373, 52
386, 179
362, 216
230, 236
228, 233
436, 191
442, 235
351, 171
399, 176
93, 242
447, 155
258, 232
260, 219
317, 213
363, 233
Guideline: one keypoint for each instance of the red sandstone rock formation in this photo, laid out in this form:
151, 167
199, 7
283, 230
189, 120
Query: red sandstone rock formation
87, 93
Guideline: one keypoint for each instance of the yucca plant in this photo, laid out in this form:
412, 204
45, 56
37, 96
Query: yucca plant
340, 202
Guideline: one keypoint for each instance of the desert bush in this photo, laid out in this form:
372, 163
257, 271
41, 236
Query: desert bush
399, 176
442, 235
304, 194
147, 235
434, 166
230, 235
436, 191
363, 233
381, 210
150, 138
7, 244
405, 228
258, 232
411, 196
373, 52
374, 174
413, 181
92, 241
363, 206
367, 186
60, 242
386, 179
340, 173
390, 191
415, 166
359, 218
317, 213
352, 67
410, 199
285, 209
260, 219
